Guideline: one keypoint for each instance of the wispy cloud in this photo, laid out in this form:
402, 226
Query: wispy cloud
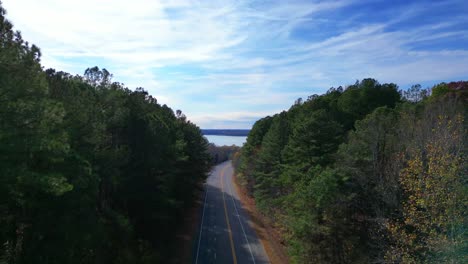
227, 63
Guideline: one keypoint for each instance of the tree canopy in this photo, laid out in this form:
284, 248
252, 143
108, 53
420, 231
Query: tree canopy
365, 174
90, 171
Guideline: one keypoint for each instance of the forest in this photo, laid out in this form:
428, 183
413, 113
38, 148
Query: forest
365, 174
90, 171
220, 154
93, 172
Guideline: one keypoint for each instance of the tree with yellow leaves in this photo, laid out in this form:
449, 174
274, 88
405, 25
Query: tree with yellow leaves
434, 209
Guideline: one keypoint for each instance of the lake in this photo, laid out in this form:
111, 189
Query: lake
226, 140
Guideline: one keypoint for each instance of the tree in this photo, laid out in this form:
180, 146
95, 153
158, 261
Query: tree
363, 97
90, 171
33, 146
415, 94
430, 229
361, 176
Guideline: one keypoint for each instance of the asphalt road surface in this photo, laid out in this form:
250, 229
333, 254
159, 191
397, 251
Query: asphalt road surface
225, 235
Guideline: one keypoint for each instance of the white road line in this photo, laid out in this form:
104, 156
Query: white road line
242, 226
201, 226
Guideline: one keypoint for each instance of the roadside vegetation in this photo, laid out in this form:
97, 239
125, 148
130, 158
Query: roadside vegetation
93, 172
90, 171
365, 174
220, 154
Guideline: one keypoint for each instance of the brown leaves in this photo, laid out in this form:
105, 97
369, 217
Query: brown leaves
431, 181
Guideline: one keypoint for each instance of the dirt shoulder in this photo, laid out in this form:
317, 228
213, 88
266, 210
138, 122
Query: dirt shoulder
270, 238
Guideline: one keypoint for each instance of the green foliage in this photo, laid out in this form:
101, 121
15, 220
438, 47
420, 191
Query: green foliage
246, 161
439, 90
361, 176
90, 171
432, 227
221, 154
269, 160
363, 97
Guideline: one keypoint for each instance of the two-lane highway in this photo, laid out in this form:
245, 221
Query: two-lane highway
225, 235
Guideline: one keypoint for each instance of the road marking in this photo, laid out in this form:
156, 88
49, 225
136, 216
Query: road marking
234, 257
201, 226
242, 226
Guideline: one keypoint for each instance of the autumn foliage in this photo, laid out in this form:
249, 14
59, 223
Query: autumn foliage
365, 174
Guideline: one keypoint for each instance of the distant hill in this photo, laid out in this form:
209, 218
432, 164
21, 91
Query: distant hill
226, 132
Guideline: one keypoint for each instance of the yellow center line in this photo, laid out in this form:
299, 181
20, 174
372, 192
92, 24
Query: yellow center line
234, 257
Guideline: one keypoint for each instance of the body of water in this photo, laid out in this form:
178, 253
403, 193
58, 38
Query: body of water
226, 140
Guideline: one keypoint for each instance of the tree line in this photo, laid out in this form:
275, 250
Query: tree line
90, 171
365, 174
220, 154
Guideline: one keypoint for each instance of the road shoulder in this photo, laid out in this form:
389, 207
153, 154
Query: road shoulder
269, 237
188, 230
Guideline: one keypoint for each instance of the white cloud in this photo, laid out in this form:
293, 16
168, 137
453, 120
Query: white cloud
240, 119
240, 56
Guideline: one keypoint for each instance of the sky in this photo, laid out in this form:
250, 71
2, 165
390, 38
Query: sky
227, 63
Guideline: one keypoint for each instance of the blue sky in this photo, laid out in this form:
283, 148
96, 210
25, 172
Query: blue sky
226, 64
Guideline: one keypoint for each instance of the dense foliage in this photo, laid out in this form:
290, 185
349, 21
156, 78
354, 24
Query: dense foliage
220, 154
90, 171
366, 174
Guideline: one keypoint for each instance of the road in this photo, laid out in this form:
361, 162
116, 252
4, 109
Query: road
225, 235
